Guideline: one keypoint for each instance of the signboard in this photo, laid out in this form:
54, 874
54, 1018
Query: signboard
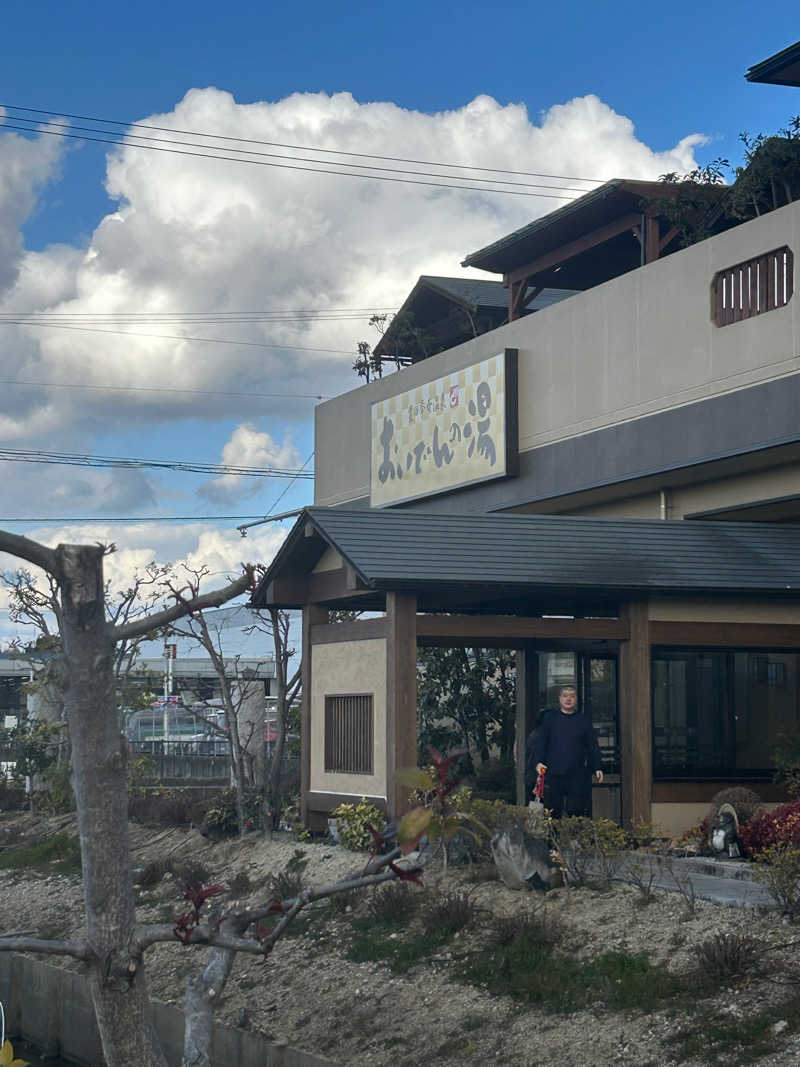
451, 432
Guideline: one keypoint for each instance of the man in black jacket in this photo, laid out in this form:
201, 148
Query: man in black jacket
564, 747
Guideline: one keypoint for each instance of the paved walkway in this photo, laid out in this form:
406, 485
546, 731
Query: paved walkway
724, 881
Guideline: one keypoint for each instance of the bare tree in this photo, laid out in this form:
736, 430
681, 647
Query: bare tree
287, 687
196, 626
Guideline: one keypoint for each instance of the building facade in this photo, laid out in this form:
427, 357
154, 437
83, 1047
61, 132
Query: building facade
611, 486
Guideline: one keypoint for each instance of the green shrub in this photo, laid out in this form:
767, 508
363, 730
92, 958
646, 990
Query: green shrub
165, 807
589, 848
353, 822
58, 777
289, 882
779, 871
61, 851
221, 819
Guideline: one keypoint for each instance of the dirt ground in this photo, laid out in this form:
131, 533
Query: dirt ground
366, 1015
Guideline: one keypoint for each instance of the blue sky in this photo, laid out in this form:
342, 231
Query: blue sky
592, 91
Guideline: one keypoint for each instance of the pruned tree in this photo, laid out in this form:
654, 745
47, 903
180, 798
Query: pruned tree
114, 944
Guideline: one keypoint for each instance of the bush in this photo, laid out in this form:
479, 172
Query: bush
288, 883
353, 822
729, 955
495, 779
59, 783
778, 827
533, 930
393, 903
449, 913
589, 847
12, 795
779, 870
744, 802
221, 819
165, 807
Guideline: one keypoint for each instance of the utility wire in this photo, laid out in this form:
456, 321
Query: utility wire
282, 166
171, 337
102, 519
73, 459
163, 389
303, 148
303, 159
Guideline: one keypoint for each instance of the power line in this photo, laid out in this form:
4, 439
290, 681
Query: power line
172, 337
303, 148
103, 519
303, 159
164, 389
73, 459
281, 166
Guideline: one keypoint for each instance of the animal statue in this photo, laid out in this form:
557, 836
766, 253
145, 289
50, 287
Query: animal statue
724, 832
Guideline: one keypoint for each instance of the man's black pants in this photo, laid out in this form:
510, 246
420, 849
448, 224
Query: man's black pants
568, 794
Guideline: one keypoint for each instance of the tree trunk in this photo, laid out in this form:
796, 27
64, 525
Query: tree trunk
116, 974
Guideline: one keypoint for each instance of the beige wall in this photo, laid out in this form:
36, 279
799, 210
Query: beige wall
710, 610
751, 487
336, 669
639, 344
331, 561
674, 819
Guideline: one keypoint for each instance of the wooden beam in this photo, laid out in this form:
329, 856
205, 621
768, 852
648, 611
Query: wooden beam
652, 247
636, 747
527, 666
573, 248
357, 630
401, 695
667, 239
313, 614
704, 792
475, 629
726, 634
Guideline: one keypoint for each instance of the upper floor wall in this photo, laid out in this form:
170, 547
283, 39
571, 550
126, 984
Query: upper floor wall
593, 368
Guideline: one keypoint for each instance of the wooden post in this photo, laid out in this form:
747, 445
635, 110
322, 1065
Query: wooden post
527, 665
401, 694
652, 248
312, 614
636, 732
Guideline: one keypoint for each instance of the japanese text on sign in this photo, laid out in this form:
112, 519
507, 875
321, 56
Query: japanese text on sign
444, 434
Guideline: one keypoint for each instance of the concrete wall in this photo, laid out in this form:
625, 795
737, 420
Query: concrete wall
52, 1008
349, 667
638, 346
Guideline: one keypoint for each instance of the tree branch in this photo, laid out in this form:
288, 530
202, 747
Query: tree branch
177, 611
32, 551
77, 949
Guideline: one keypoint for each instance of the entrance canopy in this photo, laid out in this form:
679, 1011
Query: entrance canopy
523, 564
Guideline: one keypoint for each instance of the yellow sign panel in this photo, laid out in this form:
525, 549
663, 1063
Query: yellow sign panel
441, 435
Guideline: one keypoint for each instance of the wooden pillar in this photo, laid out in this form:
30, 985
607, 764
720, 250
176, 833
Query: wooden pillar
652, 247
401, 694
527, 688
312, 614
635, 717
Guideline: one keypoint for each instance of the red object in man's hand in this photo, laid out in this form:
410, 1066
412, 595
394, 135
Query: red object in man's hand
538, 789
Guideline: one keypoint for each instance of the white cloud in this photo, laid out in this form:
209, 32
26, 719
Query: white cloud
221, 551
248, 447
195, 235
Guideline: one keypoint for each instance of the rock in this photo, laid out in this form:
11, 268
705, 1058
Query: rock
780, 1026
523, 861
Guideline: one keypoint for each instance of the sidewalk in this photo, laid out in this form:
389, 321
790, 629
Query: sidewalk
723, 881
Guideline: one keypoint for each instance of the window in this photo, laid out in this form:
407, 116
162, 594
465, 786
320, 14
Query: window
751, 288
722, 713
348, 733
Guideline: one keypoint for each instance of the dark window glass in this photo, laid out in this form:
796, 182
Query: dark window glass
721, 714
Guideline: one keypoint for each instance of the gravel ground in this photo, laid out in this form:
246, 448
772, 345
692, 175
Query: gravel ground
364, 1015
